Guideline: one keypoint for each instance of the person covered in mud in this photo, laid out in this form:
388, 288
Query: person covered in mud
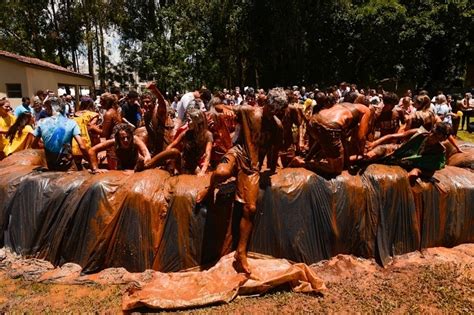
388, 119
421, 152
255, 125
158, 121
130, 151
112, 118
423, 116
291, 118
331, 126
191, 150
57, 133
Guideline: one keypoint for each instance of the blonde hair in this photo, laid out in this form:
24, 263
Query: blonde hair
109, 100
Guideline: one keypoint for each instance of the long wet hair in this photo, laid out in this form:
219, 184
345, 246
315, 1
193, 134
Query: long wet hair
116, 134
195, 140
20, 123
109, 100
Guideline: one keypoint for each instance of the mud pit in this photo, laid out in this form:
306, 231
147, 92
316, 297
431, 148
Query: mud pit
149, 220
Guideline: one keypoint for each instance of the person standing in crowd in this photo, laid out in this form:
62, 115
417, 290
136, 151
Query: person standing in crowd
7, 119
389, 118
183, 105
85, 118
37, 108
131, 112
242, 160
70, 108
57, 133
20, 135
24, 107
47, 110
467, 108
112, 117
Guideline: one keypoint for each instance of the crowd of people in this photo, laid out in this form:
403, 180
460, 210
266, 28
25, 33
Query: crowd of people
230, 133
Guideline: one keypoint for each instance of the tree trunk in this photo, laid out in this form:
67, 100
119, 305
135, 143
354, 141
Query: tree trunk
62, 60
102, 57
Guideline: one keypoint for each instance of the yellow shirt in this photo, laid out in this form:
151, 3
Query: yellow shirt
83, 120
19, 142
5, 124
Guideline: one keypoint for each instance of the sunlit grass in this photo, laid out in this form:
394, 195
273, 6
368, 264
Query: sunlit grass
465, 136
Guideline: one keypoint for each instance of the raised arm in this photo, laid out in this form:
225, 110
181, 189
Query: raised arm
142, 149
207, 158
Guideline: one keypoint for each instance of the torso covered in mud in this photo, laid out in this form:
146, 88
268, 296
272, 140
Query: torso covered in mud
220, 133
111, 119
425, 118
160, 128
293, 116
253, 131
388, 122
341, 117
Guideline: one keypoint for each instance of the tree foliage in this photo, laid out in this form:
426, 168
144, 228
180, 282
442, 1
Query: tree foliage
183, 44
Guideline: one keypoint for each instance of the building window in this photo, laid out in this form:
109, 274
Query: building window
14, 90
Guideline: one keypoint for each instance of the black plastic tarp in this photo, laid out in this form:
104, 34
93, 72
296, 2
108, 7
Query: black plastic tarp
150, 219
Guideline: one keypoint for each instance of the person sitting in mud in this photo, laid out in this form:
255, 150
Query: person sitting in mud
256, 125
389, 118
331, 126
421, 153
57, 133
191, 150
130, 151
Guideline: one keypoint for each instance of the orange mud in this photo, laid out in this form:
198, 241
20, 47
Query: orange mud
437, 280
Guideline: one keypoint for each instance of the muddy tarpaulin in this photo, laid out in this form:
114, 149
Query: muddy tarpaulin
150, 220
221, 284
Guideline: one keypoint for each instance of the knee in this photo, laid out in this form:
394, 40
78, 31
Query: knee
222, 172
250, 209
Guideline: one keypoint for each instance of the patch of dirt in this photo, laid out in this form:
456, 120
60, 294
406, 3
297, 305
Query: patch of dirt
437, 280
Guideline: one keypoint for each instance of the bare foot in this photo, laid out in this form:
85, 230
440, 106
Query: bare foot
241, 263
202, 195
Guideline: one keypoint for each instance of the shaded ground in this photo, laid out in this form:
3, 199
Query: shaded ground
437, 281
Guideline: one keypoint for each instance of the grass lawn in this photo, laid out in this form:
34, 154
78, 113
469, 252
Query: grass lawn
466, 136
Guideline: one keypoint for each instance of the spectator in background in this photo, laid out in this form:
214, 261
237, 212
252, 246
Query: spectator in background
6, 121
466, 107
37, 108
183, 105
47, 110
20, 135
24, 107
70, 108
443, 110
131, 112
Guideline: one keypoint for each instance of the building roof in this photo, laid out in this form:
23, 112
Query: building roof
40, 63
